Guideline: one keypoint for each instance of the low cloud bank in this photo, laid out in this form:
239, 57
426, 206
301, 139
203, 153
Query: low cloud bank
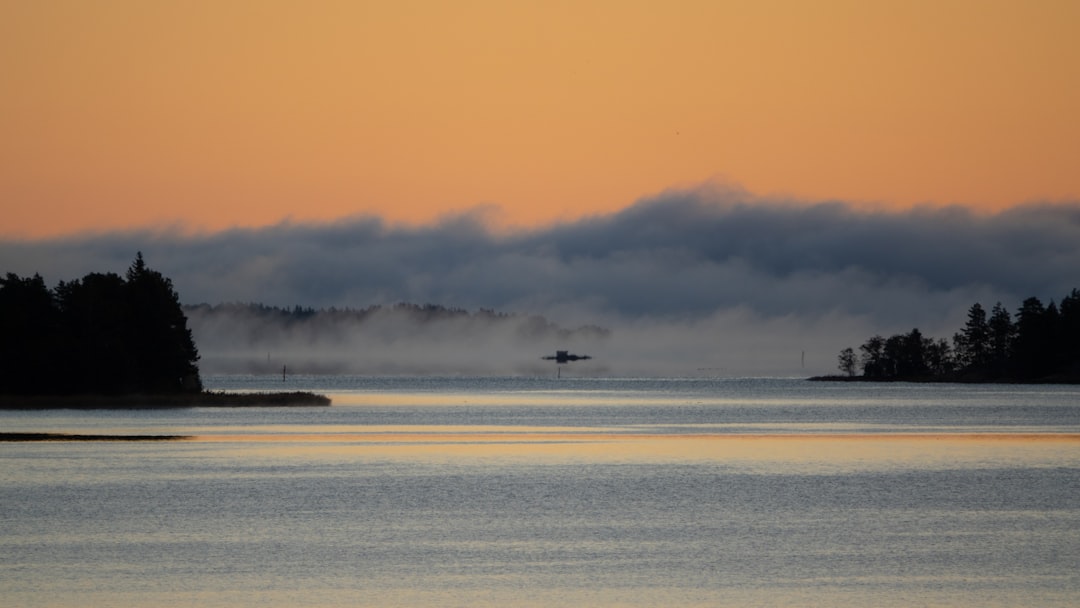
692, 281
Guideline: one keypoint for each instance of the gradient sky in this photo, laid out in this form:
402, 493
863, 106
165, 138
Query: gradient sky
205, 115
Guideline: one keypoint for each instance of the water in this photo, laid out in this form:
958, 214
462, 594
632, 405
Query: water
543, 492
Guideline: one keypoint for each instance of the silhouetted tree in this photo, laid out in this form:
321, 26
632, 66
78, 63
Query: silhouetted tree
1069, 333
972, 343
97, 352
28, 335
165, 354
847, 361
1054, 357
873, 351
891, 356
1002, 334
911, 362
939, 357
1031, 346
100, 334
1043, 344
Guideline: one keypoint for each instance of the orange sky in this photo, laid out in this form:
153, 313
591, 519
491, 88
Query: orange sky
119, 114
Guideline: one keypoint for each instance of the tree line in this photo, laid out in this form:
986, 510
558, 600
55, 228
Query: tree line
1040, 344
334, 319
102, 334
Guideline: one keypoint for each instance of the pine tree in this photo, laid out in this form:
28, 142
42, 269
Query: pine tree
1002, 335
166, 357
972, 343
1030, 349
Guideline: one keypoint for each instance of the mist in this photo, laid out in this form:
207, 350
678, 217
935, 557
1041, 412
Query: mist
706, 281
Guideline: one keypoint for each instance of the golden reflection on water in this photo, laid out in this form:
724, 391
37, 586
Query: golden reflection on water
830, 446
556, 397
788, 453
544, 398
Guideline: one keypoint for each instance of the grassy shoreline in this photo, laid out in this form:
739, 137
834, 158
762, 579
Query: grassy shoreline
158, 401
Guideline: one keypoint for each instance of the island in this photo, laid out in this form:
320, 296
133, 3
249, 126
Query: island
1041, 346
107, 342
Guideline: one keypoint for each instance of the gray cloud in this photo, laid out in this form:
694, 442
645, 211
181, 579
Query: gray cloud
700, 278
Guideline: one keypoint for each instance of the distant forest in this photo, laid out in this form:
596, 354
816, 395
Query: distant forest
394, 339
529, 326
1041, 344
102, 334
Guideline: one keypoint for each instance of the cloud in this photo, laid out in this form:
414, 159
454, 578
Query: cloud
694, 276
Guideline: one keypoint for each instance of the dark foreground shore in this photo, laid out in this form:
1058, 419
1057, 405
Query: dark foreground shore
203, 399
74, 437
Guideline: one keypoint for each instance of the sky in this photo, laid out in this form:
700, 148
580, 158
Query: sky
208, 115
789, 176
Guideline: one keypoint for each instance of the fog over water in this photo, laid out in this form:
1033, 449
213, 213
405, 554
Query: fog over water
701, 281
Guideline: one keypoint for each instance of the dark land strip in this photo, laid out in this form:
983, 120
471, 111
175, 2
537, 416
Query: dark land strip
67, 437
159, 401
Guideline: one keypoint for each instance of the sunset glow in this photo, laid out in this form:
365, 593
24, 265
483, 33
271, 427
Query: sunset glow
206, 115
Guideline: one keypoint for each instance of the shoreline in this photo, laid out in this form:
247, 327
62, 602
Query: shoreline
163, 401
931, 380
34, 437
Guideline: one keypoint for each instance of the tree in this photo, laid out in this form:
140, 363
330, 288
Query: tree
911, 360
1069, 333
872, 357
890, 360
1055, 347
1002, 334
1035, 348
28, 335
100, 334
939, 357
847, 361
166, 357
1043, 344
972, 343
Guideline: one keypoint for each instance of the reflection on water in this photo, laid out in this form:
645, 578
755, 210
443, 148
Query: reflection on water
517, 492
757, 453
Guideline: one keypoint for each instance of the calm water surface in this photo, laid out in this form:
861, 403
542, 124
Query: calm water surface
543, 492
